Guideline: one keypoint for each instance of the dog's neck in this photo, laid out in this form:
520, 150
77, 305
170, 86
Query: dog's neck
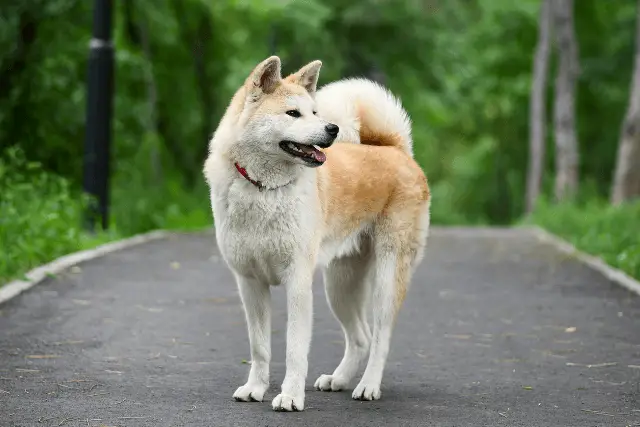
264, 171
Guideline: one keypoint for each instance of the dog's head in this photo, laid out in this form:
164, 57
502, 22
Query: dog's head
279, 115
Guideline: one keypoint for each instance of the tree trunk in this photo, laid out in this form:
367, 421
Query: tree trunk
537, 107
566, 185
626, 179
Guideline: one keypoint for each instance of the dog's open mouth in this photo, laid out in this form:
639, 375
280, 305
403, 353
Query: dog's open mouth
308, 153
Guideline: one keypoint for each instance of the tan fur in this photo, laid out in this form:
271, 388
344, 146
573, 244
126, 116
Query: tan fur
275, 104
379, 184
371, 135
360, 182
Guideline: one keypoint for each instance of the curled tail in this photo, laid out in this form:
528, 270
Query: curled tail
366, 112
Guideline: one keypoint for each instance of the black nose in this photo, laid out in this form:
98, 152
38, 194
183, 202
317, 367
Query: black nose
332, 129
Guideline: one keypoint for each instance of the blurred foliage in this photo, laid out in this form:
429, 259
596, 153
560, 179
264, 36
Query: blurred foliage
40, 216
597, 228
461, 67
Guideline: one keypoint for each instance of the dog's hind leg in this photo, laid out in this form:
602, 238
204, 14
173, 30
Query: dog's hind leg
345, 281
394, 256
255, 298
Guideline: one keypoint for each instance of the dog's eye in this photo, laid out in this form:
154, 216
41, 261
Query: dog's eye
294, 113
315, 112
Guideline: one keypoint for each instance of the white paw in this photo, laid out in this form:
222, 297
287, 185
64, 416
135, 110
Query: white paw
250, 393
285, 402
366, 391
330, 383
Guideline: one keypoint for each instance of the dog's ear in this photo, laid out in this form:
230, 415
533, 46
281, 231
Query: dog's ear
265, 77
307, 76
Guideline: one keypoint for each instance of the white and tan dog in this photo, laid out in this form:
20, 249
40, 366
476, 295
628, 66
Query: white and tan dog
301, 179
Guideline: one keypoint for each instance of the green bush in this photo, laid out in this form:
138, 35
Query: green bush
39, 216
612, 233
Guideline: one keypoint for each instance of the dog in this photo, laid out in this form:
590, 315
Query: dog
301, 179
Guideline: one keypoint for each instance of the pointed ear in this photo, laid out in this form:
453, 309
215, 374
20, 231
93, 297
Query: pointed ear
307, 76
265, 77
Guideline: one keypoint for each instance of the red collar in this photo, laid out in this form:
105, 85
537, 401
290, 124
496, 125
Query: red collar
244, 173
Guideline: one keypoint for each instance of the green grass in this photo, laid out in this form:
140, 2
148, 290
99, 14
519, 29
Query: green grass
40, 217
597, 228
41, 214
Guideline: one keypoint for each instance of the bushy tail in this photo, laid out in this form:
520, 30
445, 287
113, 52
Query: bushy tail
366, 112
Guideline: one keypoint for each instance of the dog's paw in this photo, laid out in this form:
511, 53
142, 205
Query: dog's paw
284, 402
330, 383
365, 391
250, 393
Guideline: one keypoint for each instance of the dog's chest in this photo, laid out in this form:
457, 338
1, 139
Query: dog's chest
261, 234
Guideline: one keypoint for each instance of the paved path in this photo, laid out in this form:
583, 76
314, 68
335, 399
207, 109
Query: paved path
499, 330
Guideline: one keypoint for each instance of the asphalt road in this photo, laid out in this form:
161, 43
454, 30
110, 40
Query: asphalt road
498, 330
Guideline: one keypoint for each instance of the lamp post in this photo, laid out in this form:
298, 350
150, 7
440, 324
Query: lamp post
98, 116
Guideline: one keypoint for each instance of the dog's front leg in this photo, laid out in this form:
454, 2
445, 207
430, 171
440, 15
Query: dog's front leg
255, 298
299, 319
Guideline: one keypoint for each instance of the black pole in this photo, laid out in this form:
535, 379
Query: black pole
98, 116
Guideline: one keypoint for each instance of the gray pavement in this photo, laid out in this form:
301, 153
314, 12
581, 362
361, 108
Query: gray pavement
498, 330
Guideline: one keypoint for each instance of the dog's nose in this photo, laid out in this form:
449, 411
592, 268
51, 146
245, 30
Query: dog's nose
332, 129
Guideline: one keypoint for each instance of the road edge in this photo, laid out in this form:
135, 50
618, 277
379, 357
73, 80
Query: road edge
38, 274
613, 274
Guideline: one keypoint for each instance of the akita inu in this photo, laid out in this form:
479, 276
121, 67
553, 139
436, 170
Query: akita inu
300, 179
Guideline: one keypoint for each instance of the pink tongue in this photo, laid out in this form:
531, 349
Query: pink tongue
318, 155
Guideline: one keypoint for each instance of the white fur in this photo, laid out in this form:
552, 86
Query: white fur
271, 237
337, 103
333, 247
